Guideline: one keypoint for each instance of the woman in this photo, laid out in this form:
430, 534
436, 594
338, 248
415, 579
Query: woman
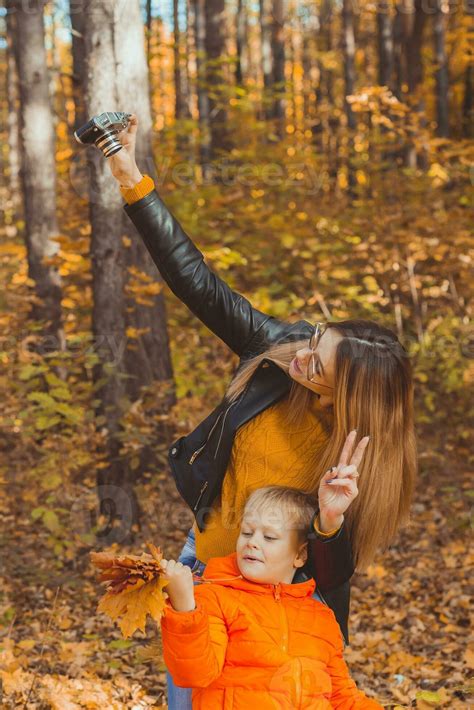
289, 413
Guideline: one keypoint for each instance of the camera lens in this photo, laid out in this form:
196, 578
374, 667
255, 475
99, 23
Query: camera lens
108, 144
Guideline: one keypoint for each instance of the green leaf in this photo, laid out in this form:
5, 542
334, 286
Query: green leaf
37, 513
51, 481
43, 423
42, 398
51, 520
120, 643
53, 380
430, 697
29, 371
71, 414
60, 393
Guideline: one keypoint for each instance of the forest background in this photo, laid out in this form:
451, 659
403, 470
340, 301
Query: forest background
321, 156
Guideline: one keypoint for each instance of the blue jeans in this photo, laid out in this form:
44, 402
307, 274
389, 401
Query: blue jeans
181, 698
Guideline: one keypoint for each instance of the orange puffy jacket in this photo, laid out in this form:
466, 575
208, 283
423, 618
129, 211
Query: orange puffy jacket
251, 646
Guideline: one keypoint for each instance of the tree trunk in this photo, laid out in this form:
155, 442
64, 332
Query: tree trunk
13, 110
148, 29
201, 90
147, 356
240, 69
385, 43
414, 71
311, 74
186, 77
266, 49
117, 77
115, 485
398, 54
215, 43
349, 59
441, 74
38, 169
468, 103
78, 61
181, 106
278, 64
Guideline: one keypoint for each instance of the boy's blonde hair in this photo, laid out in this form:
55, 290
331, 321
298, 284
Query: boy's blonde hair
297, 506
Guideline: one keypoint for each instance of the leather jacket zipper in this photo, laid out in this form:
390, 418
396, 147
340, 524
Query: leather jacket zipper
201, 493
201, 448
198, 451
223, 425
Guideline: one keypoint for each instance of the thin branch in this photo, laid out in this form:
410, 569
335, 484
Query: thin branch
25, 706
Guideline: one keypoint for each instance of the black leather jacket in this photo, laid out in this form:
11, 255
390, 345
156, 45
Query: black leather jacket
199, 460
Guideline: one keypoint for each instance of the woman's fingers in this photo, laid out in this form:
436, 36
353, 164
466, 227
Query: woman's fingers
347, 448
356, 457
329, 475
358, 454
344, 473
133, 123
345, 486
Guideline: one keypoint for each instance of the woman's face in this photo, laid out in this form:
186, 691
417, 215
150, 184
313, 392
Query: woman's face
324, 361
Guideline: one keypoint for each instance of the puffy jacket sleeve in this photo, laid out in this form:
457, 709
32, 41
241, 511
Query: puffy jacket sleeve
195, 643
345, 694
227, 313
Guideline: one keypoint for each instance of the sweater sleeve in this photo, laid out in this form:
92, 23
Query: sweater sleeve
195, 643
141, 189
345, 694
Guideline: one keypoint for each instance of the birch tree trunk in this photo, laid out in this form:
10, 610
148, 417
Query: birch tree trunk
38, 169
129, 318
116, 495
147, 356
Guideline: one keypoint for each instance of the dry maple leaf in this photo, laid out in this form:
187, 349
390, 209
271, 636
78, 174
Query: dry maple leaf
134, 588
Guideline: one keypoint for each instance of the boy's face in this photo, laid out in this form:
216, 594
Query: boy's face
268, 549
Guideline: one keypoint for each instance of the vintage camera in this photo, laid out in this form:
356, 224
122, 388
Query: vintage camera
102, 130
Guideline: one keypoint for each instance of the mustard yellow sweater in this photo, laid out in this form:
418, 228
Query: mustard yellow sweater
266, 451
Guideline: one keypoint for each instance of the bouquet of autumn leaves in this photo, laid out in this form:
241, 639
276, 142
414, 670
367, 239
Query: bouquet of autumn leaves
134, 588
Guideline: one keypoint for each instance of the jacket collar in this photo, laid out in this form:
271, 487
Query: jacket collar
225, 571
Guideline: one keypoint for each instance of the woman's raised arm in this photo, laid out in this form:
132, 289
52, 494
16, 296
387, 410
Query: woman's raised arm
224, 311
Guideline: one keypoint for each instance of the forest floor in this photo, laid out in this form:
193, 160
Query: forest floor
409, 616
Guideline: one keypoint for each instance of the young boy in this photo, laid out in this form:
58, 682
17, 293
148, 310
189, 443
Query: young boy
247, 638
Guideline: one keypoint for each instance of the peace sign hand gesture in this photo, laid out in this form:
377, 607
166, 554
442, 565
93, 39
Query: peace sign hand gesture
338, 487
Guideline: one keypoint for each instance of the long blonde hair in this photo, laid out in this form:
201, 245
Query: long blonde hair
374, 394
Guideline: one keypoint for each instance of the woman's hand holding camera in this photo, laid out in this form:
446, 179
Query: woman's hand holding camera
338, 487
180, 587
122, 164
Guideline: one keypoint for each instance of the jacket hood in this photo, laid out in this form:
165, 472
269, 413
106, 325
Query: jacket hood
225, 571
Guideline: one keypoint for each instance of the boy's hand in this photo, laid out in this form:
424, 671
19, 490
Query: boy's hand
338, 487
180, 587
122, 164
